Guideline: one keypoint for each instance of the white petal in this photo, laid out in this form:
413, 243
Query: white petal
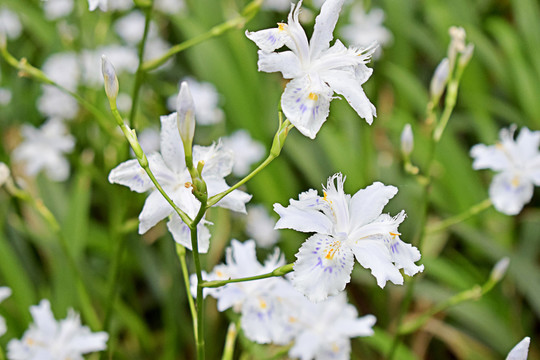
182, 235
489, 157
323, 267
171, 144
324, 26
527, 142
155, 209
285, 62
404, 255
3, 327
306, 104
235, 201
358, 326
304, 219
509, 193
218, 160
43, 317
367, 204
350, 86
269, 40
374, 255
520, 351
131, 174
5, 292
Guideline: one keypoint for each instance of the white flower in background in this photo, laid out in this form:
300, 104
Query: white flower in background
316, 69
169, 6
171, 172
94, 4
130, 27
64, 69
260, 226
5, 94
55, 9
276, 5
246, 151
44, 149
5, 292
5, 173
149, 140
120, 5
518, 164
48, 339
346, 227
206, 98
325, 329
10, 25
266, 305
407, 140
520, 351
365, 29
55, 103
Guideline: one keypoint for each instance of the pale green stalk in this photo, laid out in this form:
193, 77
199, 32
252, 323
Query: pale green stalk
2, 356
426, 181
230, 340
86, 303
27, 70
200, 299
475, 293
239, 21
280, 271
467, 214
140, 73
181, 252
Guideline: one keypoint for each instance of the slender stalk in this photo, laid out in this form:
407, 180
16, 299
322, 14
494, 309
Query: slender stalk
181, 251
140, 73
2, 356
200, 300
247, 14
26, 69
280, 271
228, 350
467, 214
86, 304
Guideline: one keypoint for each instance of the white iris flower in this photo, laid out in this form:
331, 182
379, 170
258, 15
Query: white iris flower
520, 351
5, 292
172, 174
518, 164
346, 227
317, 69
48, 339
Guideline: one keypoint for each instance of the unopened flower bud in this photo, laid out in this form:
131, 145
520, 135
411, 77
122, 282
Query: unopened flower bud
407, 140
439, 79
110, 79
466, 55
4, 173
185, 111
500, 269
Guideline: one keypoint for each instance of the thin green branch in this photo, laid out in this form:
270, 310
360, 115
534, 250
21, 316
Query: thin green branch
239, 21
139, 74
472, 211
200, 299
280, 271
228, 350
181, 252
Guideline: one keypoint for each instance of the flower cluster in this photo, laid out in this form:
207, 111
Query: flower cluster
272, 311
346, 227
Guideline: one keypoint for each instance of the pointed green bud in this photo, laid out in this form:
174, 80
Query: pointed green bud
280, 137
185, 111
110, 79
439, 79
466, 55
407, 140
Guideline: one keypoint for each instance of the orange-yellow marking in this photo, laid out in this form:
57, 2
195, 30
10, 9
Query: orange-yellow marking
394, 234
313, 96
188, 185
281, 26
515, 181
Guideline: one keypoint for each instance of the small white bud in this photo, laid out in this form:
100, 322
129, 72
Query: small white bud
185, 111
466, 55
500, 268
439, 79
407, 140
4, 173
109, 77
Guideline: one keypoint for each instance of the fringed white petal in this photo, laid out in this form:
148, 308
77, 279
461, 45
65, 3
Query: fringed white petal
509, 193
269, 40
374, 255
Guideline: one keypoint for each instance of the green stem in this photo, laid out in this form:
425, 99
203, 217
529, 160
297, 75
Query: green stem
140, 73
474, 210
247, 14
200, 300
228, 350
280, 271
26, 69
2, 356
275, 150
475, 293
181, 251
